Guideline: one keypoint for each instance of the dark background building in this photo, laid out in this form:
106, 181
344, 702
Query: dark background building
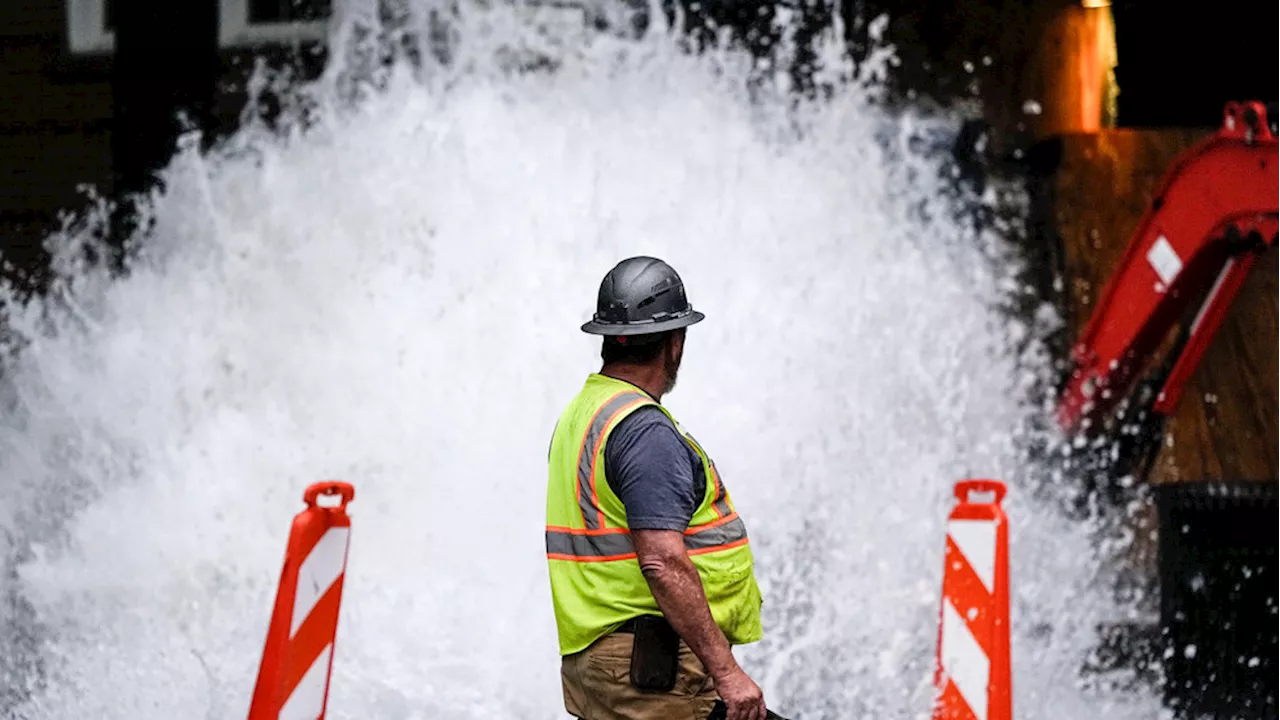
88, 87
89, 90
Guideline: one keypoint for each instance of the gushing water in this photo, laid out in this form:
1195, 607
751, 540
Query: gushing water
392, 298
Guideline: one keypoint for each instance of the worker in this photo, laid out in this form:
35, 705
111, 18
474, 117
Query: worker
652, 578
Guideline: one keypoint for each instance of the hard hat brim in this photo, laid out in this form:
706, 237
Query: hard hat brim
642, 328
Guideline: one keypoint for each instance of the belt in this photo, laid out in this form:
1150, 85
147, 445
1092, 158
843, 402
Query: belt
633, 624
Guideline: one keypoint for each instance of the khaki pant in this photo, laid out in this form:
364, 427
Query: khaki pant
597, 685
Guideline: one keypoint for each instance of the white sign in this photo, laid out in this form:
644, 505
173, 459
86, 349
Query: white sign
87, 31
1164, 260
235, 29
87, 27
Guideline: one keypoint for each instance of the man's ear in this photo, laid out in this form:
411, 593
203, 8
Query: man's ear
675, 343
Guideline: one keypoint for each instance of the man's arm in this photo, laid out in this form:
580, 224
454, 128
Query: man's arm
676, 586
651, 469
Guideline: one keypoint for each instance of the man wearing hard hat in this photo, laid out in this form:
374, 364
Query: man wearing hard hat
652, 577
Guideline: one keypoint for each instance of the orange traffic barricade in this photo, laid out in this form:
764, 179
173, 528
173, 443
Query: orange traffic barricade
293, 680
972, 677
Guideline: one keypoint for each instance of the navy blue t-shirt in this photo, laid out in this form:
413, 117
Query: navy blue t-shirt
654, 471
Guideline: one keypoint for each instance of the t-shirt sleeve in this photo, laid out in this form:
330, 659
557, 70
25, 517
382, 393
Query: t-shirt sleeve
650, 469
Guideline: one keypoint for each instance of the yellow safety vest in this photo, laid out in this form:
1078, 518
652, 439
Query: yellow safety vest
596, 583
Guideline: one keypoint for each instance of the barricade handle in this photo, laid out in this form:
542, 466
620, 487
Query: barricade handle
965, 487
329, 488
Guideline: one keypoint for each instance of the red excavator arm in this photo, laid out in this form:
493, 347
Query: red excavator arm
1214, 212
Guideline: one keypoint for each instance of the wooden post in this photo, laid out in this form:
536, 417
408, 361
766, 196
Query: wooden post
1075, 72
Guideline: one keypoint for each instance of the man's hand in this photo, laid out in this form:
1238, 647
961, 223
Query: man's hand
678, 589
743, 697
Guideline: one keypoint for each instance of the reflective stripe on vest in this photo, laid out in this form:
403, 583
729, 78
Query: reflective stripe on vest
598, 543
615, 543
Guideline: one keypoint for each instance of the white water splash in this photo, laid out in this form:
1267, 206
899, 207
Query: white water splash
393, 299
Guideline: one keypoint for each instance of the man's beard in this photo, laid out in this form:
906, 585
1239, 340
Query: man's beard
671, 369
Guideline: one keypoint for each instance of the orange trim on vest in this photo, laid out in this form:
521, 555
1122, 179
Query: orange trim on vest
595, 451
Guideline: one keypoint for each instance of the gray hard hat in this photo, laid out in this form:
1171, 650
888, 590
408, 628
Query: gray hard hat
640, 296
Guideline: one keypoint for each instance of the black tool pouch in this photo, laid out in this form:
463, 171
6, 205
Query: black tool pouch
655, 656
